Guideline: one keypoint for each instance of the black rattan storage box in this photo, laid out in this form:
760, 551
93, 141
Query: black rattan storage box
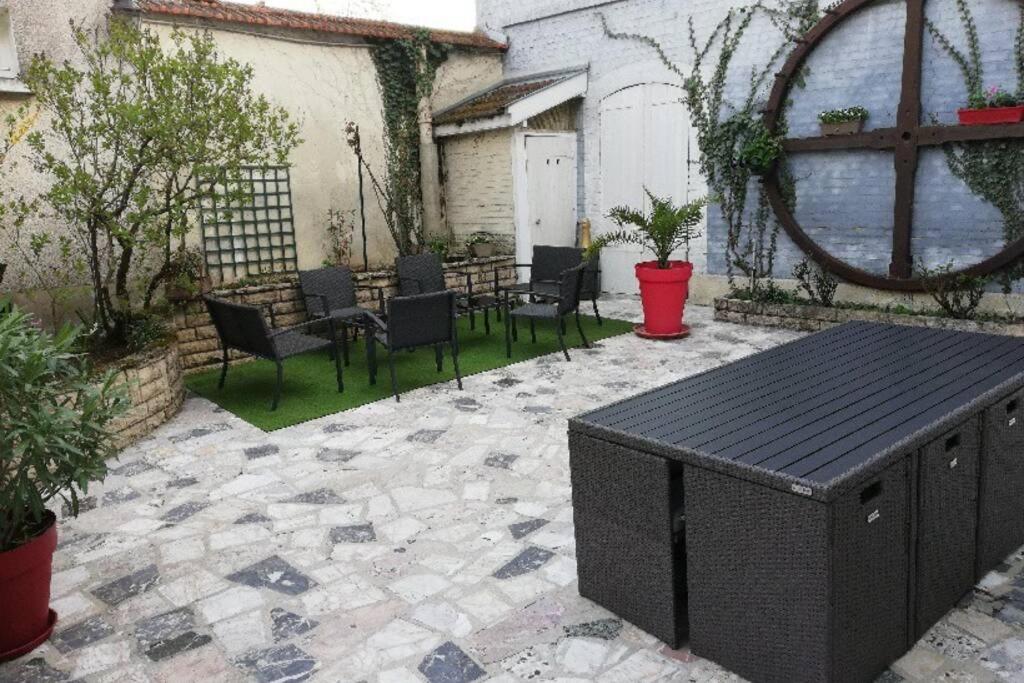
808, 473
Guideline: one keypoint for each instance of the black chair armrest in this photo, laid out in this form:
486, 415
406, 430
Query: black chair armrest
376, 321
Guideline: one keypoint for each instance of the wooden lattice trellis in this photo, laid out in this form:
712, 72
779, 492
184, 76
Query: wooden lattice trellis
905, 140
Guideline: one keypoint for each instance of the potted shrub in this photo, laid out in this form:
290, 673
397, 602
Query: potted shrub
992, 106
54, 417
481, 245
187, 276
849, 121
664, 283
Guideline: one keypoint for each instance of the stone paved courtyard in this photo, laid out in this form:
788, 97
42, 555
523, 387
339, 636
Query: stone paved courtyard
428, 540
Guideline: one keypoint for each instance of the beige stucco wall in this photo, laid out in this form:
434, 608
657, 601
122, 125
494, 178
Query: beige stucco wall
322, 81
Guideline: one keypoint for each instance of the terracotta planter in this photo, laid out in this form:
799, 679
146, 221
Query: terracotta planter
664, 293
991, 116
482, 249
25, 594
844, 128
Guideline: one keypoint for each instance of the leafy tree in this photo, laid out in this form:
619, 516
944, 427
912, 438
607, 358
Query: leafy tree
139, 135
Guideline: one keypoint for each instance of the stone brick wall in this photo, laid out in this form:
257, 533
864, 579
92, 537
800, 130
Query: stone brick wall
154, 381
845, 200
807, 318
197, 338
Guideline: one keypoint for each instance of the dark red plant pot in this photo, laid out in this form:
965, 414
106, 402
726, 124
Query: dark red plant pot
663, 293
991, 116
25, 594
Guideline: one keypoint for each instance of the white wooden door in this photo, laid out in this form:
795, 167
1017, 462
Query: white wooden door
547, 212
645, 142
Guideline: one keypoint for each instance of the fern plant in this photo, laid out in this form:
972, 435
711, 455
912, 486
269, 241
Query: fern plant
666, 229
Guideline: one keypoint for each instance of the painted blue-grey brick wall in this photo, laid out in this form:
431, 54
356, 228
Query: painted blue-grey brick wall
845, 200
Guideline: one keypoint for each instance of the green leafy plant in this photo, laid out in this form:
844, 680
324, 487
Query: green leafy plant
992, 97
54, 418
817, 283
992, 169
186, 271
439, 246
665, 230
958, 295
341, 228
760, 148
844, 115
132, 132
405, 71
480, 237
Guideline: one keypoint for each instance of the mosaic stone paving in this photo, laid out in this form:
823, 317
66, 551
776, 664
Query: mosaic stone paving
424, 541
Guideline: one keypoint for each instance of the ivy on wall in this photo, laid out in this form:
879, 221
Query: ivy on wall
736, 148
405, 72
992, 170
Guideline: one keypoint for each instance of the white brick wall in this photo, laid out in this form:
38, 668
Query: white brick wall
478, 188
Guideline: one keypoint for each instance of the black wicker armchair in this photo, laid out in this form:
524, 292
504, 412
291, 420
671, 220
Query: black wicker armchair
424, 274
331, 293
413, 322
243, 328
553, 307
548, 265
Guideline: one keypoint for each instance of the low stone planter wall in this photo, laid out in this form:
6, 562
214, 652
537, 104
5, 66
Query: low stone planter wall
807, 318
197, 338
155, 383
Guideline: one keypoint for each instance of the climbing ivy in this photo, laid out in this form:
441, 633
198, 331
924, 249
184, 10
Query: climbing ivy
736, 147
405, 71
993, 170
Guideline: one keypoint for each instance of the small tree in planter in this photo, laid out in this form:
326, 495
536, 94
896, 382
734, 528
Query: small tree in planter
664, 283
53, 421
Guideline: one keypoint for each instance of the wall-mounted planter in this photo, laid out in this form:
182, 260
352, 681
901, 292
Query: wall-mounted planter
842, 128
991, 116
483, 249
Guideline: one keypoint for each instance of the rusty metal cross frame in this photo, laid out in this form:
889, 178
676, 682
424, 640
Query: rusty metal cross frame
905, 140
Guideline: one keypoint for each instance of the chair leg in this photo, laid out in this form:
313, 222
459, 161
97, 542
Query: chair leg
561, 324
472, 319
487, 321
508, 334
439, 357
371, 358
394, 378
455, 362
339, 373
277, 386
223, 371
579, 326
533, 331
561, 337
344, 342
597, 313
515, 330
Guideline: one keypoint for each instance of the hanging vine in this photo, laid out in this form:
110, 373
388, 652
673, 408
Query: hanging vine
736, 147
993, 170
405, 71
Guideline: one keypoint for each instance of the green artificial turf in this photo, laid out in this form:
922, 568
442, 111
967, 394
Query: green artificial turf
310, 390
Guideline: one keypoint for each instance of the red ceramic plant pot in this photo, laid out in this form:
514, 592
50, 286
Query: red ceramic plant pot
991, 116
663, 293
25, 594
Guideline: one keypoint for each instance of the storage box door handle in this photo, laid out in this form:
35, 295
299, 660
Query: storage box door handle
870, 492
952, 442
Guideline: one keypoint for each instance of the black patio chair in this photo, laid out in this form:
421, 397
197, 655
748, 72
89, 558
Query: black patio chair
243, 328
424, 274
413, 322
552, 307
331, 293
548, 265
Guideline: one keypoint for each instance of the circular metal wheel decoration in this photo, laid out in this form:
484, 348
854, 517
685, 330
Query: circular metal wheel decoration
905, 141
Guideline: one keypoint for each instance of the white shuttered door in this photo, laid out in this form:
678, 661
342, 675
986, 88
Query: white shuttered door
645, 142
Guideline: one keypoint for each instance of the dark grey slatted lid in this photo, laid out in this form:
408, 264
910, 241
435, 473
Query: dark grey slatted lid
821, 407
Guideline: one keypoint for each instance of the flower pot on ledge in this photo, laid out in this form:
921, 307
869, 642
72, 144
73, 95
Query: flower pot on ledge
663, 292
842, 128
991, 116
25, 593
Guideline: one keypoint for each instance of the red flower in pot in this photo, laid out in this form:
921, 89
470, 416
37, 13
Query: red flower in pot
53, 442
664, 283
